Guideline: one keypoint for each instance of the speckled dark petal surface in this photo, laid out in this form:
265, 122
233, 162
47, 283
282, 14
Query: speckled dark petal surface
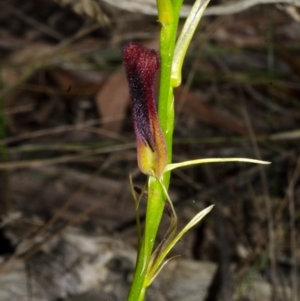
141, 66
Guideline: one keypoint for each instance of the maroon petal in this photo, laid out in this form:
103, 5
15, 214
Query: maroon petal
141, 66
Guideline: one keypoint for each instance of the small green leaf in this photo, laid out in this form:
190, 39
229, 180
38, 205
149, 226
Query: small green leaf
184, 40
159, 261
212, 160
160, 267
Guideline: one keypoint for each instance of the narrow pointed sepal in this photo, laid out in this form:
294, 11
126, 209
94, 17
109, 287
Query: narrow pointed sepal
141, 66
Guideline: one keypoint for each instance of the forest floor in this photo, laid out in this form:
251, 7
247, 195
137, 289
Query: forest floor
67, 143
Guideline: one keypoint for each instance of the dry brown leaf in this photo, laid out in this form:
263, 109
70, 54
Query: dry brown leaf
89, 8
13, 71
30, 54
112, 101
78, 82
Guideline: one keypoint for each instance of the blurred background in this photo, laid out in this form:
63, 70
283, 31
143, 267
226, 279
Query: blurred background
67, 219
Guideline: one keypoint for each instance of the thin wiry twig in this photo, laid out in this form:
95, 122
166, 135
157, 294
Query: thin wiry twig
32, 22
149, 7
60, 129
268, 205
65, 159
241, 5
290, 193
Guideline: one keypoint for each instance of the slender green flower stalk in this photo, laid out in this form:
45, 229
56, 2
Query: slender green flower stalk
154, 135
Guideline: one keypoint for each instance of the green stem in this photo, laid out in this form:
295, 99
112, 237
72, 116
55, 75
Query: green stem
166, 97
155, 206
168, 16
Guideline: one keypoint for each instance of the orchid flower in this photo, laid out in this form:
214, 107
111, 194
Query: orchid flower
154, 135
141, 66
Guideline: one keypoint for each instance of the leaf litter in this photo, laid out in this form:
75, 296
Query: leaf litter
68, 117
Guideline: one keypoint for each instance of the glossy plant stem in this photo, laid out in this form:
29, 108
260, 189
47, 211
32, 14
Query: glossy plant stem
155, 207
168, 13
166, 97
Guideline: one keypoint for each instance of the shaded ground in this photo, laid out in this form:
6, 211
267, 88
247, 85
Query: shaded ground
66, 130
